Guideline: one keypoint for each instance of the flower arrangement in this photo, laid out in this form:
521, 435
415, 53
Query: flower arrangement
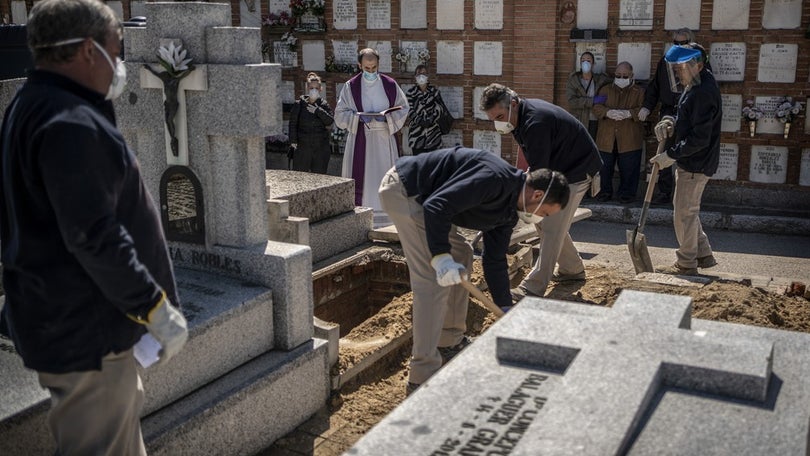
289, 40
423, 55
173, 60
301, 7
402, 57
281, 19
786, 112
336, 67
752, 113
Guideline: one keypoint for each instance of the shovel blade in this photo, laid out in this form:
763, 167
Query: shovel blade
637, 244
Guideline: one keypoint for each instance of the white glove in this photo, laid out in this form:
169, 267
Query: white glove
168, 326
643, 113
311, 108
613, 114
664, 128
664, 161
294, 145
448, 272
625, 114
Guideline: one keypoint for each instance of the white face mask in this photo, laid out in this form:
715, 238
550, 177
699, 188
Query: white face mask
502, 127
622, 82
369, 76
421, 79
119, 80
314, 94
532, 217
586, 66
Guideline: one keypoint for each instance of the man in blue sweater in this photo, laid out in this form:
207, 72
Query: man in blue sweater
85, 264
427, 196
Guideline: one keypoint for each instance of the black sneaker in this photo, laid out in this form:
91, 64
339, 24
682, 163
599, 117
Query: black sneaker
603, 197
449, 352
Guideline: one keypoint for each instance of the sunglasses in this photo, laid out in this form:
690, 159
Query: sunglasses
680, 43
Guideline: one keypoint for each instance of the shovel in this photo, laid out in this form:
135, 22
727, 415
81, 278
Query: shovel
479, 295
636, 241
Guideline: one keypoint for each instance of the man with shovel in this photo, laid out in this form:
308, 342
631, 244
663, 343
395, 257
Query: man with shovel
427, 196
693, 142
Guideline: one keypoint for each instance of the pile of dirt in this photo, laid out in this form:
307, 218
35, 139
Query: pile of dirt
363, 403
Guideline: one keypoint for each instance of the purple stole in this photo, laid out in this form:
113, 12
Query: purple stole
359, 160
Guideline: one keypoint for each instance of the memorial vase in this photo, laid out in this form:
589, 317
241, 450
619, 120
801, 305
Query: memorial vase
752, 127
787, 129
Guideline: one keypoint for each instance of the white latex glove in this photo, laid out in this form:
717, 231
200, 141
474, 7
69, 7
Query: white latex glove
311, 108
168, 326
664, 128
625, 114
448, 272
294, 145
664, 161
643, 113
613, 114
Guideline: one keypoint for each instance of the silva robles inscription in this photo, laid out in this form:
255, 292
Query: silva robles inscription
207, 260
498, 423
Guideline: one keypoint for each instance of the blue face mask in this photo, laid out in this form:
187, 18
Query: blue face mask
369, 76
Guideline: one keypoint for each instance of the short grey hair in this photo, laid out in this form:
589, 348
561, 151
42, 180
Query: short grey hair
52, 21
690, 35
496, 94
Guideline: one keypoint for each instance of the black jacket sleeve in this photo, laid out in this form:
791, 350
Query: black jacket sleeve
496, 269
294, 115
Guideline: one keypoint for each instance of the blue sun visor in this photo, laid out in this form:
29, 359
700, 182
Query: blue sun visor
678, 54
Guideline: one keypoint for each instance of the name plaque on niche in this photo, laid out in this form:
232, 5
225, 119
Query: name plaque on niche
777, 62
727, 168
728, 61
768, 164
488, 140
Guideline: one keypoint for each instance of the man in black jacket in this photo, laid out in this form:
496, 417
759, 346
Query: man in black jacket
85, 264
657, 91
550, 138
427, 196
693, 142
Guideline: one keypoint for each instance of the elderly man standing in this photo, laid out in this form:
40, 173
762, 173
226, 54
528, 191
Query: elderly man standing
550, 138
693, 142
85, 264
620, 135
371, 147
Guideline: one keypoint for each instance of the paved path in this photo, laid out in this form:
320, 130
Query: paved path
747, 254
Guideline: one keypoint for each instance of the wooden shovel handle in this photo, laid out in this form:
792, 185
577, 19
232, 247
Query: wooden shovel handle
479, 295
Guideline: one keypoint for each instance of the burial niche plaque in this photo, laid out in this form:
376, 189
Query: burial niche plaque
683, 13
728, 61
727, 167
181, 206
730, 14
768, 164
777, 62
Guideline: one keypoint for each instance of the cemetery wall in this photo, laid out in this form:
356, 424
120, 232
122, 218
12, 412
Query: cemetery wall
759, 44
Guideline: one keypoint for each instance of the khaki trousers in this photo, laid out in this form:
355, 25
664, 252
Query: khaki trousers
557, 246
439, 313
692, 241
97, 412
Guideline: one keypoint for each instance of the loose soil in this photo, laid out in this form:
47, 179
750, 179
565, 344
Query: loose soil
364, 401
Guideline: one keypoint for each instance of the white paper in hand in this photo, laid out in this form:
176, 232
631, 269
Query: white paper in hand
147, 350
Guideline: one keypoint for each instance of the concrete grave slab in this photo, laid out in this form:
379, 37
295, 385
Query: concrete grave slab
640, 378
314, 196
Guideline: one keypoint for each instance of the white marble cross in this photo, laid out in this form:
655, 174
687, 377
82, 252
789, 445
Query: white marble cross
196, 80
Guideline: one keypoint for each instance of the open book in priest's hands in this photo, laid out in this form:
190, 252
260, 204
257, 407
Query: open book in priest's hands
377, 116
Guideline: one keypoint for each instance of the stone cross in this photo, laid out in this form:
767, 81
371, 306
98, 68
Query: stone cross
196, 80
615, 368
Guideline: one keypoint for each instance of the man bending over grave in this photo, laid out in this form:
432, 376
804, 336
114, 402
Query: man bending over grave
85, 264
427, 196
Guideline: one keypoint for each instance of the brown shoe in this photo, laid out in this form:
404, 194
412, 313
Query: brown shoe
676, 269
706, 262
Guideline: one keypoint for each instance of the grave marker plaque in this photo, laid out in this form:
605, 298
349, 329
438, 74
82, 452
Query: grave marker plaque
412, 48
769, 123
728, 61
182, 208
777, 62
768, 164
488, 14
487, 58
378, 14
732, 112
488, 140
277, 6
476, 103
313, 55
450, 15
638, 54
782, 14
453, 139
344, 14
730, 14
592, 14
449, 57
639, 378
453, 98
283, 55
19, 12
804, 171
683, 13
384, 49
345, 52
635, 14
727, 168
599, 51
413, 14
287, 89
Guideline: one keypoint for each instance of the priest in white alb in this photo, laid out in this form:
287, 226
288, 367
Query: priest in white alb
364, 109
